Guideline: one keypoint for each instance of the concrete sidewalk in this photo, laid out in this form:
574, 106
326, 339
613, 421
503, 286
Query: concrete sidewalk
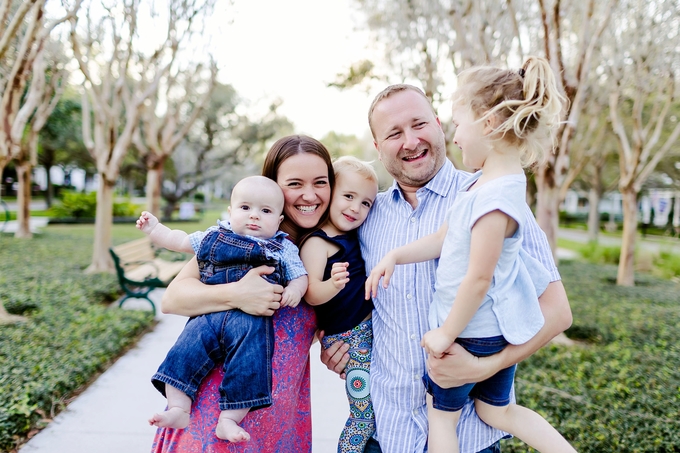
35, 224
111, 415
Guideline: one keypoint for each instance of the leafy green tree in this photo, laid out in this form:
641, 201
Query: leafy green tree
119, 78
429, 41
642, 86
186, 91
61, 143
221, 140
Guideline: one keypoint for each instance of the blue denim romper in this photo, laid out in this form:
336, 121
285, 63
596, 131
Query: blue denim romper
244, 343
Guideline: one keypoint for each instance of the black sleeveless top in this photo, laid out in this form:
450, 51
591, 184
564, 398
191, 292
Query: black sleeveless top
348, 308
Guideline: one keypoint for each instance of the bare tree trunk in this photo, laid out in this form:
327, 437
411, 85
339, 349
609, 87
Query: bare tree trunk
547, 206
593, 214
154, 178
169, 209
101, 260
626, 272
24, 168
594, 197
49, 193
6, 318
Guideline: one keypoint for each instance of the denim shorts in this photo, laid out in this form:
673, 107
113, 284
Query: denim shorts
372, 446
494, 390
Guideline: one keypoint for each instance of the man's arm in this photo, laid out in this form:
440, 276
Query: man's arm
336, 356
460, 367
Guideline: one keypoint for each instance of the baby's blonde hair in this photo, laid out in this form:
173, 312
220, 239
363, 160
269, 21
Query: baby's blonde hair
351, 163
526, 103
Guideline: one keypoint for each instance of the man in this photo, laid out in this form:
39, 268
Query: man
410, 143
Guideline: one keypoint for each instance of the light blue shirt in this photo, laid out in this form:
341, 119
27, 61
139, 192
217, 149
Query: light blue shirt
288, 256
510, 307
400, 317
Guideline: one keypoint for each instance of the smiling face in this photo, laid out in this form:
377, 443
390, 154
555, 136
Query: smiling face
256, 206
353, 197
471, 137
306, 188
408, 137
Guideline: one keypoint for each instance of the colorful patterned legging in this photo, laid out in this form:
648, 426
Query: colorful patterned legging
360, 425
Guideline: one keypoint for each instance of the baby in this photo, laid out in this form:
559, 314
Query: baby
225, 253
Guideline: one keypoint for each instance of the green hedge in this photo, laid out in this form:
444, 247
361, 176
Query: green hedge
84, 205
619, 389
70, 334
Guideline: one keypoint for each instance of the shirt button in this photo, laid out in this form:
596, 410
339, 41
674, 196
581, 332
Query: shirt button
408, 296
415, 377
413, 336
415, 412
413, 220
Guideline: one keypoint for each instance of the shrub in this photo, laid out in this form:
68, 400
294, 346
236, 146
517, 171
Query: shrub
69, 336
600, 254
620, 390
84, 205
125, 209
667, 265
664, 265
76, 204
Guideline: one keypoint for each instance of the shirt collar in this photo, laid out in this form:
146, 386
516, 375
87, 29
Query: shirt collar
442, 183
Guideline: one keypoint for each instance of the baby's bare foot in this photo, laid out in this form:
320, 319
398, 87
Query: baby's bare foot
174, 417
228, 429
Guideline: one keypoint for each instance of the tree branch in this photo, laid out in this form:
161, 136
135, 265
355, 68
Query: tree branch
16, 22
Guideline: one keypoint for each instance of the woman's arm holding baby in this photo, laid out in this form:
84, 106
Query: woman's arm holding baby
188, 296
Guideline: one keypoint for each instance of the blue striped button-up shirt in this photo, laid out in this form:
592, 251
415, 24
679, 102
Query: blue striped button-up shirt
400, 317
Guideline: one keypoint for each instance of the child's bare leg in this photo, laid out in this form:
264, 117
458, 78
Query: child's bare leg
525, 424
177, 414
228, 428
442, 436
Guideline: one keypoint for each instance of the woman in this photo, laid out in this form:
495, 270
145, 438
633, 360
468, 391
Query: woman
302, 168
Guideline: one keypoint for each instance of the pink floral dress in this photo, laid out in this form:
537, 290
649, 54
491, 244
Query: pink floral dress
285, 426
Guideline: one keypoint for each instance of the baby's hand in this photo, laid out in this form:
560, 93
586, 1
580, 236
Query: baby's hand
339, 275
385, 268
147, 222
290, 297
436, 341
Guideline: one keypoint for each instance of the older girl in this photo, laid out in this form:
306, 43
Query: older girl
486, 293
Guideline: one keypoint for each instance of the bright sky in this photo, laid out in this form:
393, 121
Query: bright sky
291, 49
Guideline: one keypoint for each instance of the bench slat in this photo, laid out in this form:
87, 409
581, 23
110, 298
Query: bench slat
137, 250
138, 264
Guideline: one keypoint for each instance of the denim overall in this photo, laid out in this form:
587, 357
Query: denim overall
244, 343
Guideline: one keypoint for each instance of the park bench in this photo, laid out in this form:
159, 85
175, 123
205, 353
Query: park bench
140, 270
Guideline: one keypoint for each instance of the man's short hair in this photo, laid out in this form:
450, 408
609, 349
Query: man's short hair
389, 91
